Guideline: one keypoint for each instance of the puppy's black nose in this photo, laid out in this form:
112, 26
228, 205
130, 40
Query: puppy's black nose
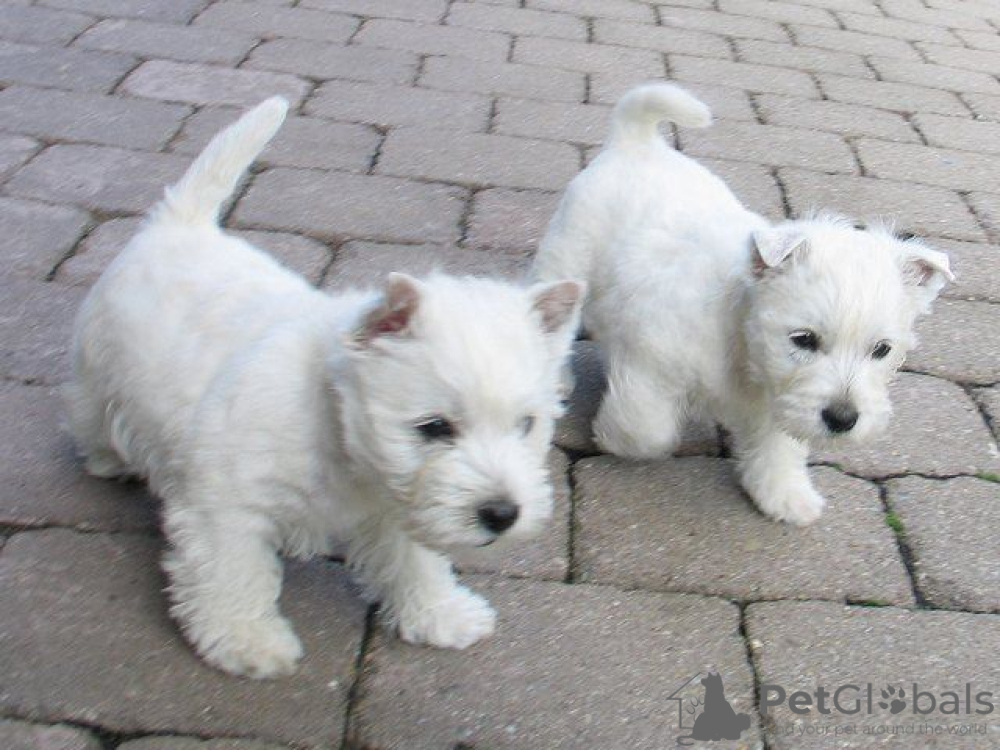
498, 515
840, 417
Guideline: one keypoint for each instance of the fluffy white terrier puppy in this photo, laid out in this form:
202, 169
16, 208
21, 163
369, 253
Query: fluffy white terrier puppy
785, 334
273, 418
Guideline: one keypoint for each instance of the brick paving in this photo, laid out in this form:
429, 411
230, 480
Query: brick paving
438, 133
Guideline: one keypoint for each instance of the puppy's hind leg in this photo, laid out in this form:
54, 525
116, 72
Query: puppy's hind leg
89, 417
642, 414
225, 579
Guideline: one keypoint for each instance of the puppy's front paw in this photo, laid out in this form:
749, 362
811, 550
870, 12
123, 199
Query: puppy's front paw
794, 503
255, 648
455, 622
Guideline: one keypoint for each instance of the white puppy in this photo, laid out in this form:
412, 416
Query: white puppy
784, 334
272, 417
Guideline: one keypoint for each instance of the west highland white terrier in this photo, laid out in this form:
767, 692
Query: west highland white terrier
274, 418
785, 333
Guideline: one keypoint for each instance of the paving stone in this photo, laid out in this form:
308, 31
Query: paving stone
35, 326
43, 482
426, 39
517, 21
753, 185
99, 177
478, 159
835, 117
989, 401
920, 209
802, 58
37, 236
577, 123
510, 219
185, 43
935, 430
591, 666
987, 209
305, 256
856, 6
983, 105
853, 41
180, 11
756, 78
545, 557
302, 141
91, 118
722, 23
505, 79
270, 22
911, 31
770, 144
201, 84
622, 10
935, 76
976, 268
953, 18
782, 12
949, 528
984, 40
959, 133
959, 170
394, 106
661, 38
35, 25
959, 342
73, 69
15, 150
588, 58
20, 735
961, 57
675, 525
96, 601
323, 61
191, 743
340, 205
366, 264
900, 97
802, 645
411, 10
573, 431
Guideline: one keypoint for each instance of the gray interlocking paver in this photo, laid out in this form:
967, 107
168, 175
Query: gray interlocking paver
96, 601
976, 267
34, 25
935, 430
959, 342
341, 205
960, 170
621, 10
508, 79
897, 28
588, 58
429, 39
835, 117
989, 400
411, 10
74, 69
805, 645
684, 525
180, 11
949, 527
804, 58
309, 58
508, 219
191, 743
517, 21
966, 135
961, 57
265, 21
987, 209
21, 735
307, 142
98, 177
90, 118
722, 23
748, 76
753, 184
935, 76
854, 41
171, 41
952, 18
661, 38
41, 480
37, 236
922, 209
782, 12
899, 97
569, 667
203, 84
15, 150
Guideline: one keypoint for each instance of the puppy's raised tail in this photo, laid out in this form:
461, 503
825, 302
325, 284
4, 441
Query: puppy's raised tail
642, 109
195, 200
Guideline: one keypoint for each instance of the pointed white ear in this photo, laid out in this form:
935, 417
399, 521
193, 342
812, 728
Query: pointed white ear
774, 245
393, 315
925, 271
558, 304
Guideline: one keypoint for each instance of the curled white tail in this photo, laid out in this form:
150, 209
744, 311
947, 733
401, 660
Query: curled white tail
199, 194
642, 109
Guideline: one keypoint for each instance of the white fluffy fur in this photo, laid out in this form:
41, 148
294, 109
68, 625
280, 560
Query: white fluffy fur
694, 299
271, 417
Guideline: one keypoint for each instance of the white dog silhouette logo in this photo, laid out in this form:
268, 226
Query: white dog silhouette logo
717, 720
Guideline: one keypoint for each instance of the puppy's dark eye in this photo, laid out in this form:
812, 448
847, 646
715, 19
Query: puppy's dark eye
804, 339
881, 350
436, 428
527, 424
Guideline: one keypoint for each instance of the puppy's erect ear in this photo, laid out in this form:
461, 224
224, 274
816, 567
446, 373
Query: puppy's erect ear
925, 271
772, 246
394, 314
558, 305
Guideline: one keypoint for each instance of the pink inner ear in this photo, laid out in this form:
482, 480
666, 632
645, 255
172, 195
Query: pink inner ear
392, 322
